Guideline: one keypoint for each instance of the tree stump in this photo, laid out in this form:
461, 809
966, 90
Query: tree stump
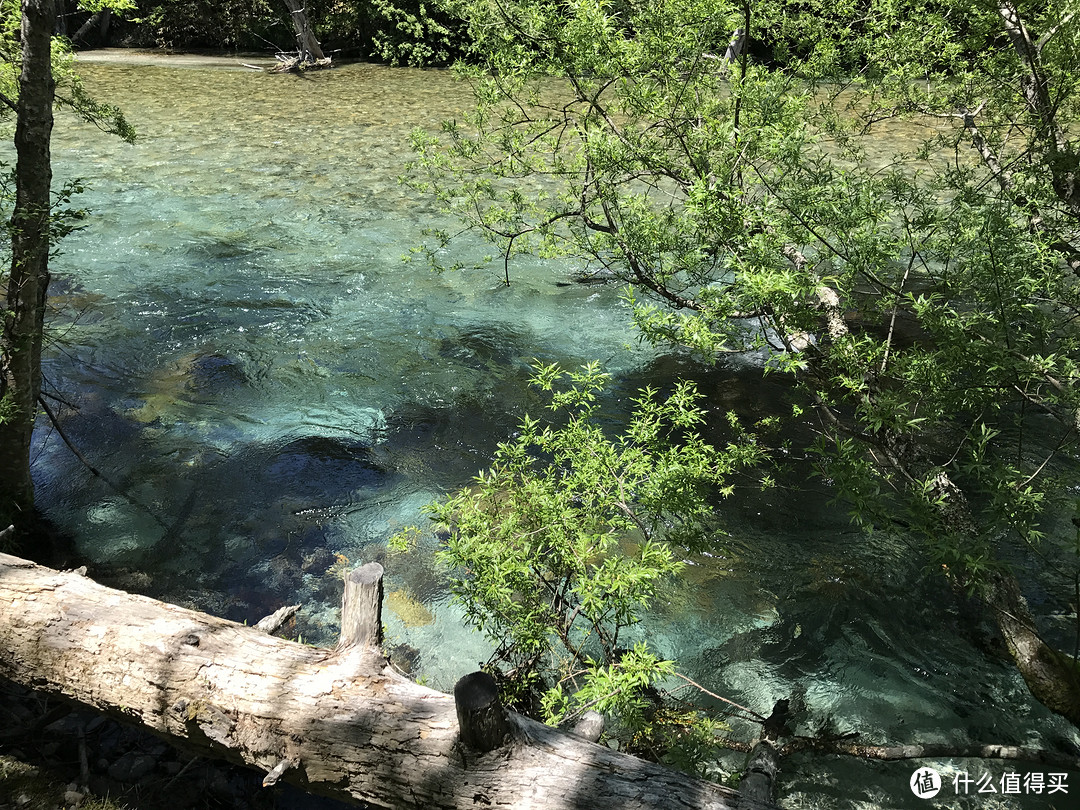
590, 726
481, 717
361, 608
760, 776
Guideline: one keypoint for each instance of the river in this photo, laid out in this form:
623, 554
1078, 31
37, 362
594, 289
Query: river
270, 392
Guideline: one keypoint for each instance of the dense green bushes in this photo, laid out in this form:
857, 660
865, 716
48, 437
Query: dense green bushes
413, 32
230, 24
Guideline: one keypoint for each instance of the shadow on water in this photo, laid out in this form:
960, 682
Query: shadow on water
215, 515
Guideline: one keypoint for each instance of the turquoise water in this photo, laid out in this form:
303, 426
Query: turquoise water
271, 391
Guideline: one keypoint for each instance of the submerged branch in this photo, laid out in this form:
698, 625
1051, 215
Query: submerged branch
929, 751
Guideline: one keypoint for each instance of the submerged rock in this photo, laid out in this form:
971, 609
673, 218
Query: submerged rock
483, 348
405, 657
216, 371
171, 388
408, 609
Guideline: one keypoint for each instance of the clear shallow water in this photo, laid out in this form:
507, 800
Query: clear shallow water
270, 386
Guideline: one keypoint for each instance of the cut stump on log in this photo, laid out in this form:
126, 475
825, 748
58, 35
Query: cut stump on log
341, 723
482, 721
758, 783
361, 608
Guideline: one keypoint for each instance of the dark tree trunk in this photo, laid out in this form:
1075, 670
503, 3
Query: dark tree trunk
103, 32
28, 280
87, 27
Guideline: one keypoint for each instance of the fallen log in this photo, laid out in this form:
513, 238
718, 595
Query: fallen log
338, 722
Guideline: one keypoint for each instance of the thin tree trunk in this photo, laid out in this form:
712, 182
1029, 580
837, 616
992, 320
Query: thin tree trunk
28, 280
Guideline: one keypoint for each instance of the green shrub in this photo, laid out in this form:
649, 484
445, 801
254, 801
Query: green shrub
558, 549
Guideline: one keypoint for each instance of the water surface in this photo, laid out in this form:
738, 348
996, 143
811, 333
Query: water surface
271, 392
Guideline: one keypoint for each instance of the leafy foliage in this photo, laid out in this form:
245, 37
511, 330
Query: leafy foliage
921, 304
229, 24
417, 32
925, 302
559, 547
412, 32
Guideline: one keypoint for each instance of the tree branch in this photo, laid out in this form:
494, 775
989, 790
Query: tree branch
929, 751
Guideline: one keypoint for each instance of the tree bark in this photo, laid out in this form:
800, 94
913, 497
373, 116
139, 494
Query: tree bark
28, 279
84, 30
308, 47
337, 722
361, 610
1052, 676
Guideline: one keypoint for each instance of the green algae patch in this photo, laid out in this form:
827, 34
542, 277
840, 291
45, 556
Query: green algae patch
408, 609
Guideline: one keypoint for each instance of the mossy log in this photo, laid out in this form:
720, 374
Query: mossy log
337, 722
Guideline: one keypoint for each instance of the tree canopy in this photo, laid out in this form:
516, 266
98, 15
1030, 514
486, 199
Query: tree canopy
720, 159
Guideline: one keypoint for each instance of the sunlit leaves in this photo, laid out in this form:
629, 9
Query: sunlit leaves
559, 547
923, 297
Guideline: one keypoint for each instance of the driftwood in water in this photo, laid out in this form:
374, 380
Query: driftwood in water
847, 745
337, 722
289, 62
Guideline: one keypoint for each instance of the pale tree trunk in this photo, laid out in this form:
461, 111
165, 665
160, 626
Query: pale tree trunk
1052, 676
306, 44
339, 722
28, 280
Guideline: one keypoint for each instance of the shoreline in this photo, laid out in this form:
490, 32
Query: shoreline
146, 56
